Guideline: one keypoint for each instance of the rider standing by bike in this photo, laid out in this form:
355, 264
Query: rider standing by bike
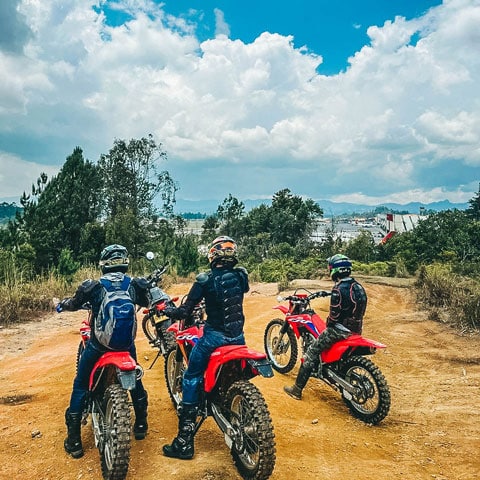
114, 265
348, 303
222, 288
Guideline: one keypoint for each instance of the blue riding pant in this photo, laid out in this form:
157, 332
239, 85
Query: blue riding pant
89, 357
198, 361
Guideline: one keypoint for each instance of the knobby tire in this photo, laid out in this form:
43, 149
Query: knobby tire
285, 359
363, 372
254, 453
115, 454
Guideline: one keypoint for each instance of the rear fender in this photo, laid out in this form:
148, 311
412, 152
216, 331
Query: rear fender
121, 360
256, 362
355, 343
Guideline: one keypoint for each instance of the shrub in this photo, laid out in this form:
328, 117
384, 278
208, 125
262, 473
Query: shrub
449, 297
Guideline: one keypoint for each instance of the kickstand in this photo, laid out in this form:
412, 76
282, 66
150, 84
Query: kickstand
155, 359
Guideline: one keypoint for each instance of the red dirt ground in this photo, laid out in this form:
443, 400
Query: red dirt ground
431, 433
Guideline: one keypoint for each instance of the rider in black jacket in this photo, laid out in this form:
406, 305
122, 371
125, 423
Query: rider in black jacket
348, 302
223, 288
114, 264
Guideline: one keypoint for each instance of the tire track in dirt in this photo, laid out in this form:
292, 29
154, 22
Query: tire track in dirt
432, 431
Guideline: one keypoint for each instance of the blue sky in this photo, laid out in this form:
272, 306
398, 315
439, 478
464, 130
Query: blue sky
370, 102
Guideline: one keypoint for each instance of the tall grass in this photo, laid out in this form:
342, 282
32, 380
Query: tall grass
449, 297
22, 299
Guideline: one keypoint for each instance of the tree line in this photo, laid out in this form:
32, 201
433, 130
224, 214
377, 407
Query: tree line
125, 197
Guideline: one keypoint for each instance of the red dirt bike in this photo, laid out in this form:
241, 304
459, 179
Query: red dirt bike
344, 366
154, 322
236, 405
108, 403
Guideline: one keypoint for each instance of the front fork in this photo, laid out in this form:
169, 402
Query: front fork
283, 331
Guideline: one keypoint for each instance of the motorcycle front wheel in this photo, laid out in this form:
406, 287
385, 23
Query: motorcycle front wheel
155, 338
253, 447
281, 350
371, 402
148, 327
115, 445
80, 350
174, 370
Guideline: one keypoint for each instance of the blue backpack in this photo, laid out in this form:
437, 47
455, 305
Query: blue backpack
116, 323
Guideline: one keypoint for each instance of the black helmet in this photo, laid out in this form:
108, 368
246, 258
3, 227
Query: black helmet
114, 258
223, 250
339, 266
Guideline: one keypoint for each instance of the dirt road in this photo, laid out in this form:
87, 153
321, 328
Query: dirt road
432, 431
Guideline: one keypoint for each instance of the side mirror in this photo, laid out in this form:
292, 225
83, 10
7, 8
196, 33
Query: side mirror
150, 255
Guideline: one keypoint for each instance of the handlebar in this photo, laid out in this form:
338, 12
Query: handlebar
156, 275
311, 296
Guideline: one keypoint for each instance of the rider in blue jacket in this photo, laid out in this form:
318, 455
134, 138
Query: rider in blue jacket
222, 288
114, 265
348, 302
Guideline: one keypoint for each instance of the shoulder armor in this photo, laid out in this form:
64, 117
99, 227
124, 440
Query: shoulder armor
202, 277
89, 284
242, 269
142, 282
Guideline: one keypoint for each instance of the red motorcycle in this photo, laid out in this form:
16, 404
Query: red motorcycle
108, 403
344, 366
154, 322
236, 405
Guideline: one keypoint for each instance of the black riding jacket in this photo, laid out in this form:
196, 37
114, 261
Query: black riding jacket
223, 289
92, 292
348, 304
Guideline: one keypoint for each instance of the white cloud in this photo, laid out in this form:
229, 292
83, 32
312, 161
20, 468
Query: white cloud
390, 125
221, 26
16, 173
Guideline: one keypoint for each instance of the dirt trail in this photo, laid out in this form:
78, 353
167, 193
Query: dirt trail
432, 431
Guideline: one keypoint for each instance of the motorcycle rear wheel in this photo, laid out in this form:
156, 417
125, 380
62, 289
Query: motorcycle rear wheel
174, 375
286, 354
115, 448
372, 402
253, 448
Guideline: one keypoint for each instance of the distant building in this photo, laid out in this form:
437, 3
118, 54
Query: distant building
392, 223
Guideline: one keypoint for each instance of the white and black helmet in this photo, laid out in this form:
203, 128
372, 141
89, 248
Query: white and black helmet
114, 258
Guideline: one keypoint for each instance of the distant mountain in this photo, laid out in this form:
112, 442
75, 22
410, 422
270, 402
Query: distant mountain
343, 208
330, 209
8, 211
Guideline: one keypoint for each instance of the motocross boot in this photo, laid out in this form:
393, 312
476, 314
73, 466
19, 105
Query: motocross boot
295, 391
182, 445
73, 442
140, 426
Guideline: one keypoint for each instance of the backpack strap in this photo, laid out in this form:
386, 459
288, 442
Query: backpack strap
125, 283
109, 285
